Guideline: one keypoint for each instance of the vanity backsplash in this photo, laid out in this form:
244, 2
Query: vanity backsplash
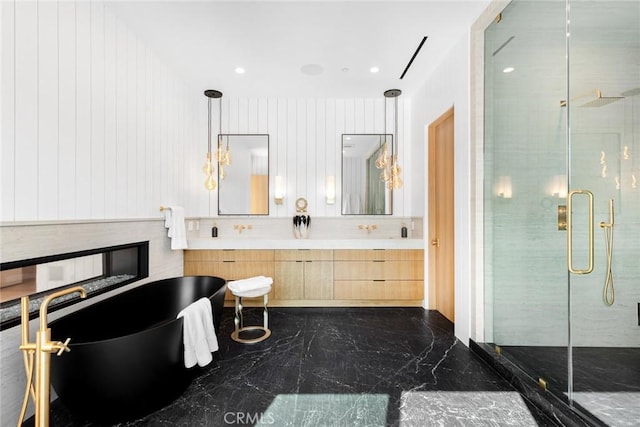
325, 228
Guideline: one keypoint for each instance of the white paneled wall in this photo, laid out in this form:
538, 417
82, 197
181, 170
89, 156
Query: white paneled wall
95, 126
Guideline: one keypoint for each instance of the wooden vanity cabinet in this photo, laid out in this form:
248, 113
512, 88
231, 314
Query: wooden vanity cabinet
303, 274
379, 275
229, 264
321, 277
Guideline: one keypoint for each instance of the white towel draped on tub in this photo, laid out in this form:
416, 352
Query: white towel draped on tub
174, 221
199, 334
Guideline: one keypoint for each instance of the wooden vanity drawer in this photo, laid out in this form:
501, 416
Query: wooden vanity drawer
378, 270
228, 255
304, 255
378, 290
378, 255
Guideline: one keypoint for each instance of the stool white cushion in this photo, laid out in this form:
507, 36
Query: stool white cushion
252, 287
252, 293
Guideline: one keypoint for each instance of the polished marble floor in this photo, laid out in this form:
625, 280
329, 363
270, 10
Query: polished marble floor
343, 367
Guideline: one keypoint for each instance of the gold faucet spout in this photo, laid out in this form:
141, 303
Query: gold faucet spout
45, 303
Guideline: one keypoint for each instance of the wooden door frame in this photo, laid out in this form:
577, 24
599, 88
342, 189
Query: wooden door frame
431, 137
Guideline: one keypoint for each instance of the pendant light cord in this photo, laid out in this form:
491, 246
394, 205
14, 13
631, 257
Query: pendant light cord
395, 125
209, 119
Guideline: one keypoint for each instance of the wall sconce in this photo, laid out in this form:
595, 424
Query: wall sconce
331, 189
279, 190
558, 186
504, 188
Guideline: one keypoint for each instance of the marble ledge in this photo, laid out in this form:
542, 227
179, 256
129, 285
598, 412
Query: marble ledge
248, 243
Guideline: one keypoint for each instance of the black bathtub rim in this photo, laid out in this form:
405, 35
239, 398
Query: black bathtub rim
162, 324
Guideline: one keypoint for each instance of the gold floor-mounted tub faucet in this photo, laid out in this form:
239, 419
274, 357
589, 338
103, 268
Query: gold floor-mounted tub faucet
42, 348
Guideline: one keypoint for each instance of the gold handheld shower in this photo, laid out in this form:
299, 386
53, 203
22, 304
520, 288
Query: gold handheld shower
608, 292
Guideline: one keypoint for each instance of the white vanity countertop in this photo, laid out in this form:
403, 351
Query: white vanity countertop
366, 243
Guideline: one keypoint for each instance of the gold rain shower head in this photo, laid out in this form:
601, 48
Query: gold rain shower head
601, 101
631, 92
598, 101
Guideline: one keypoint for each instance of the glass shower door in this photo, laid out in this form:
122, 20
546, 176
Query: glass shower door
526, 296
604, 146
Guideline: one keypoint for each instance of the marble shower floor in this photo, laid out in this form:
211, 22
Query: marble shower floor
343, 367
606, 379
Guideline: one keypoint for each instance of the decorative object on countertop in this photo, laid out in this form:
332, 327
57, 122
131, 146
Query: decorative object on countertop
301, 221
214, 231
253, 287
174, 221
403, 231
209, 169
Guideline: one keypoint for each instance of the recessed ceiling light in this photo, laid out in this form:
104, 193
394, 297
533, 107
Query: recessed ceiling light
311, 69
508, 70
374, 69
240, 70
345, 69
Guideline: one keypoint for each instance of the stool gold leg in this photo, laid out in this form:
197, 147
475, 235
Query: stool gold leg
239, 323
266, 313
236, 317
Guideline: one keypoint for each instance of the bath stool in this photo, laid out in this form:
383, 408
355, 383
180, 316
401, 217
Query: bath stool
250, 288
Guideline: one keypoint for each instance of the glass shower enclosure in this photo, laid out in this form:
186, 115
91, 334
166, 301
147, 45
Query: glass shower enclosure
562, 199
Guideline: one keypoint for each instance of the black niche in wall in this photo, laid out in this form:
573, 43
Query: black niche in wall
111, 267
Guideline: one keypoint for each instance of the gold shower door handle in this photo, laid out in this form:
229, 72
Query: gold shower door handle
589, 268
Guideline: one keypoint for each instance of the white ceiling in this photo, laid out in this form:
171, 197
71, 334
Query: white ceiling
204, 41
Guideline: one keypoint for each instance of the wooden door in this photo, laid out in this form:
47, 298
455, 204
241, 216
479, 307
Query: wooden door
441, 215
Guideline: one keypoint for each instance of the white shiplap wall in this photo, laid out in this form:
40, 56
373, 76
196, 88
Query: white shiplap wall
95, 126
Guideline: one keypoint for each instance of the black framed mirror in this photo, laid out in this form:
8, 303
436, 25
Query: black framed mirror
243, 179
365, 165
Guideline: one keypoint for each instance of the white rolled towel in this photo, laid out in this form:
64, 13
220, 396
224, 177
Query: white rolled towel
246, 286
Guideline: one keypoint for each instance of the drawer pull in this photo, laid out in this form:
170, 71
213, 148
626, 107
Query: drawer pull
229, 260
379, 280
378, 260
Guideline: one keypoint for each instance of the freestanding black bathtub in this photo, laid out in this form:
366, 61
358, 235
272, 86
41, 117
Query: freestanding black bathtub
127, 354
